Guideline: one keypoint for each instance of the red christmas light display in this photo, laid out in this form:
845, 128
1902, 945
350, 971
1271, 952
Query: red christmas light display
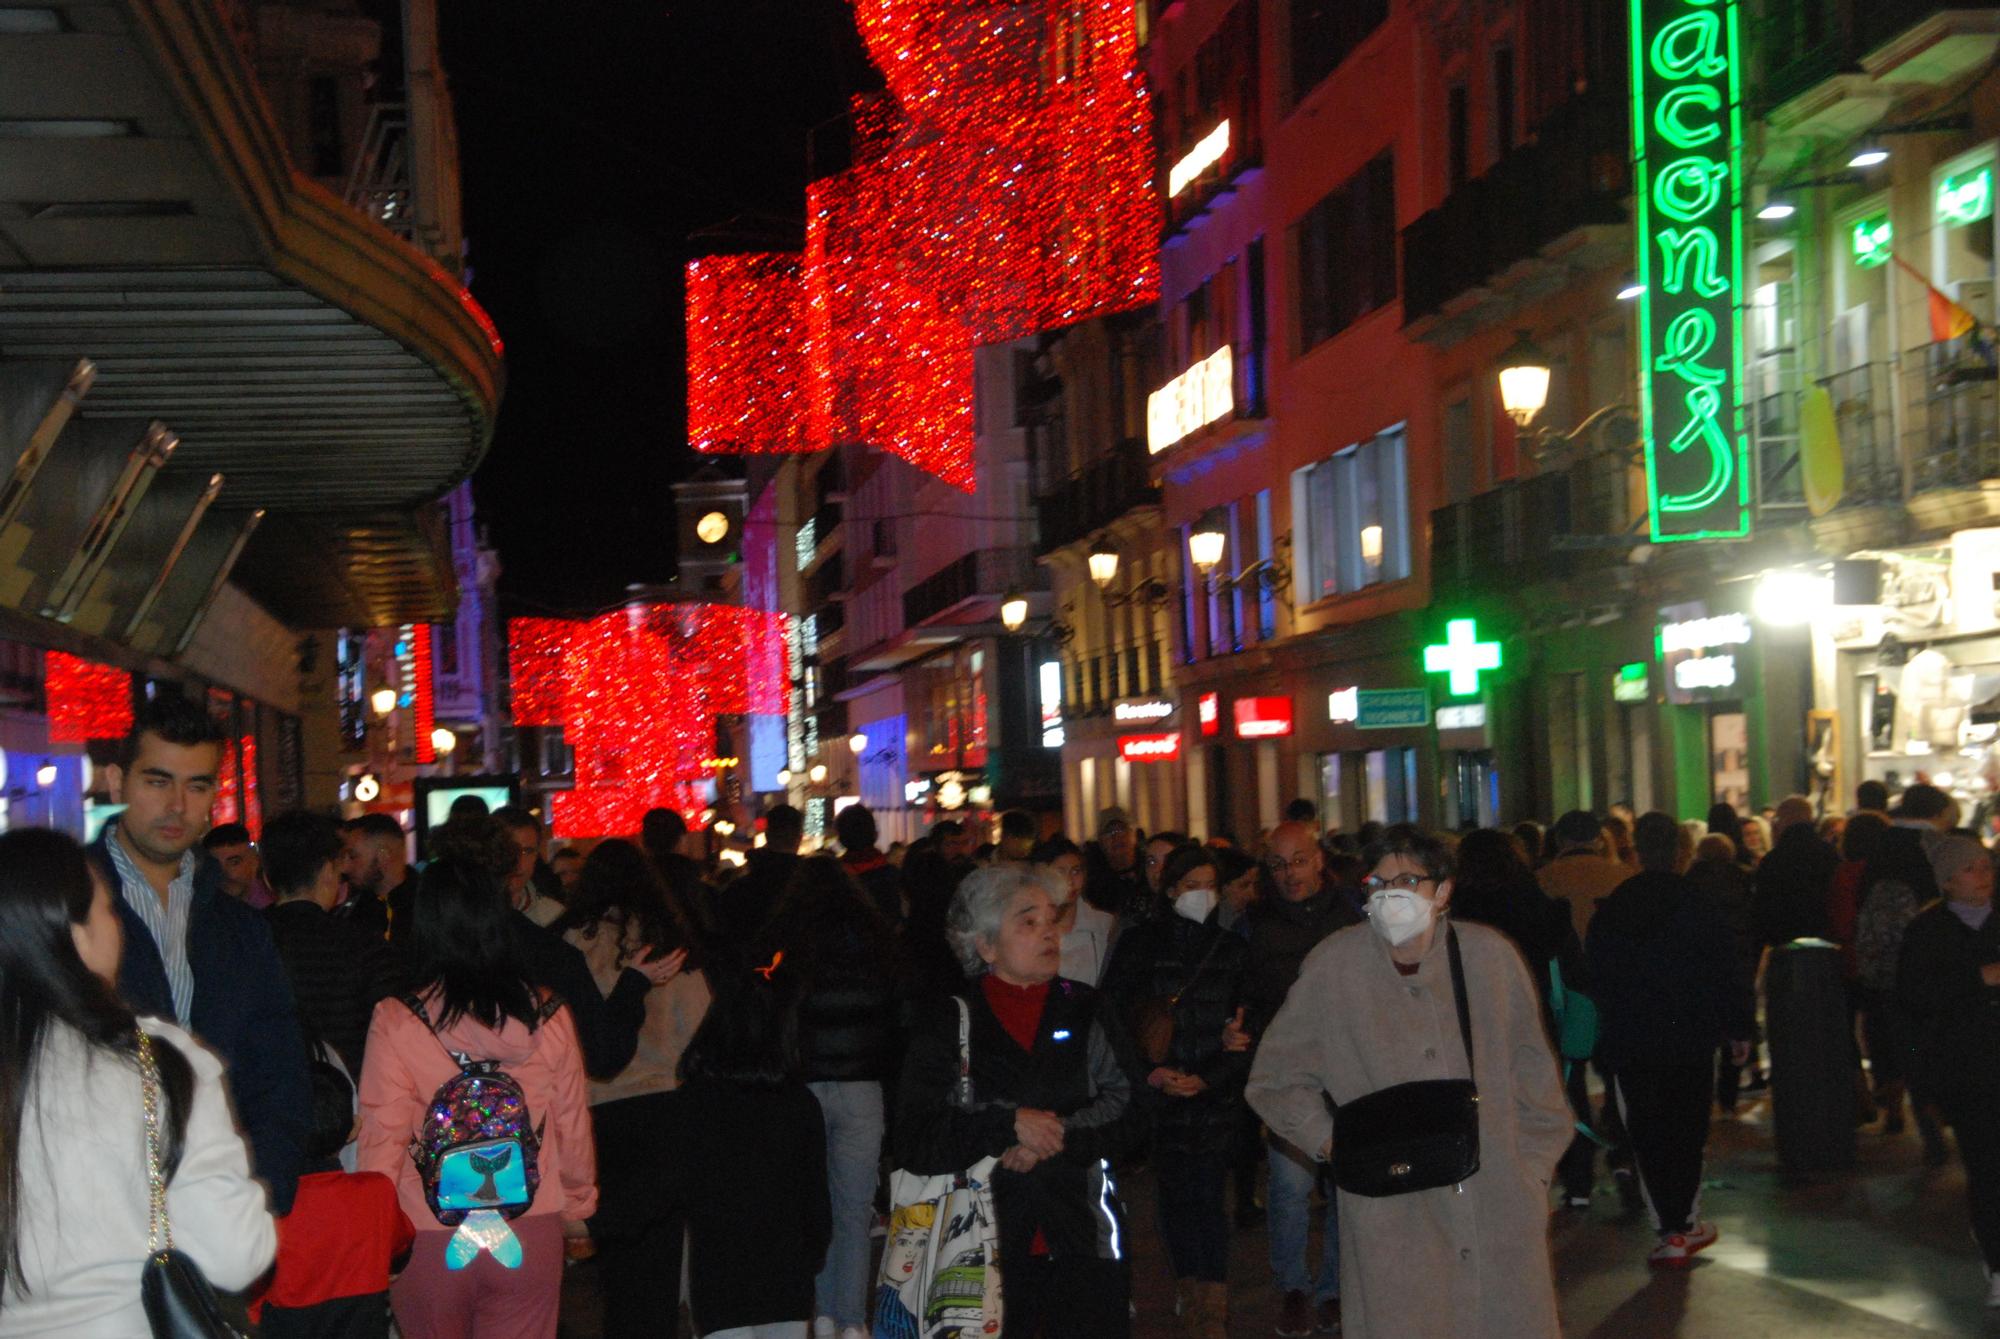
423, 700
637, 692
1001, 186
253, 802
86, 701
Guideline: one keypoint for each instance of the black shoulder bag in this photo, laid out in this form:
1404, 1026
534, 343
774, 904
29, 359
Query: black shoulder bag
179, 1302
1413, 1136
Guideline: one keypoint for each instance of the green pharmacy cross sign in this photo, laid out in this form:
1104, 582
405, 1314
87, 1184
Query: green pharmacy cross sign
1872, 239
1462, 656
1687, 139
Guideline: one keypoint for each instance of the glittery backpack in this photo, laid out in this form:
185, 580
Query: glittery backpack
478, 1146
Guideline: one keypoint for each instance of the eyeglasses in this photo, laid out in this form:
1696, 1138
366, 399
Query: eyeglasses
1402, 883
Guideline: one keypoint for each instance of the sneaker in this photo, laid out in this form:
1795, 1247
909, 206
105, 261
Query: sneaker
1671, 1253
852, 1332
1328, 1315
823, 1327
1993, 1289
1700, 1237
1295, 1317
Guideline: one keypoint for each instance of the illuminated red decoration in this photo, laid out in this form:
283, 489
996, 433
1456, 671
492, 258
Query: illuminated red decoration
1001, 186
637, 693
1209, 709
1262, 717
253, 803
1163, 747
86, 701
423, 701
227, 789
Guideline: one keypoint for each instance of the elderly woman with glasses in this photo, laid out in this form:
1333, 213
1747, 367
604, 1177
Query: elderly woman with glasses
1375, 1008
1051, 1098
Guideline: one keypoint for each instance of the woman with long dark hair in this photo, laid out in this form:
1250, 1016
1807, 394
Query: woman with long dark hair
475, 1001
830, 948
623, 908
74, 1195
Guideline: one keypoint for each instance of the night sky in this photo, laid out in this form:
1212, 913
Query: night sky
603, 143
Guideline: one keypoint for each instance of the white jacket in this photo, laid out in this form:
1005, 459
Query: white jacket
84, 1198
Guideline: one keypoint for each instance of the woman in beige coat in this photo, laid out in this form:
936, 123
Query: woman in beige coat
1373, 1007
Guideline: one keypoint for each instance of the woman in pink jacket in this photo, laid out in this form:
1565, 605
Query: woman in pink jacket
476, 1002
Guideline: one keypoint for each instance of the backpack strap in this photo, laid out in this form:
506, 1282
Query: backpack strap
415, 1005
552, 1004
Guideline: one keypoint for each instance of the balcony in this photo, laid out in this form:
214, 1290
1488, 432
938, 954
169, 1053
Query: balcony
1952, 433
1085, 503
1526, 212
1832, 69
1872, 472
1773, 409
1562, 523
984, 575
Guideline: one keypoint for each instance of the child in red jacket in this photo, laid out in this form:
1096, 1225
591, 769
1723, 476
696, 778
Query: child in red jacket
342, 1239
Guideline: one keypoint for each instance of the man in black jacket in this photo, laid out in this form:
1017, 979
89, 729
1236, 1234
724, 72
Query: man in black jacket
338, 970
1793, 898
1116, 881
193, 953
380, 882
1282, 931
742, 908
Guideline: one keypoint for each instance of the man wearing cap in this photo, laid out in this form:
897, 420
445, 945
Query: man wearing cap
1581, 874
1117, 884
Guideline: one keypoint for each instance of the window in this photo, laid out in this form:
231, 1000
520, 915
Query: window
1457, 137
1267, 600
1503, 101
1325, 33
1356, 511
1347, 253
1253, 364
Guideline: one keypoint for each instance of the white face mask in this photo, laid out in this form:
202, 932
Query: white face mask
1196, 904
1399, 915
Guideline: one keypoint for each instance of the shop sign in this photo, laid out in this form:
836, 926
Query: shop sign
1687, 144
1209, 709
1191, 401
1163, 747
1965, 197
1206, 153
1633, 683
1262, 717
1343, 706
1052, 717
1469, 717
1699, 653
1141, 711
1870, 239
1393, 709
1462, 657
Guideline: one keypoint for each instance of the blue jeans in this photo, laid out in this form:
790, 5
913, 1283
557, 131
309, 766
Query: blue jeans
853, 1115
1290, 1215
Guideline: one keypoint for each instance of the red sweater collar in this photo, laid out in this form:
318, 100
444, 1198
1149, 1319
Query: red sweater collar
1019, 1008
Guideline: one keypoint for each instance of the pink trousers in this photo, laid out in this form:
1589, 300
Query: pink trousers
485, 1300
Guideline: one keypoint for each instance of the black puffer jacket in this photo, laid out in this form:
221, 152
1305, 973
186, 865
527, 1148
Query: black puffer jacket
1282, 932
846, 981
1207, 966
1955, 1014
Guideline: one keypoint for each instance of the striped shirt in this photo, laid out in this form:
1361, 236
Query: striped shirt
167, 924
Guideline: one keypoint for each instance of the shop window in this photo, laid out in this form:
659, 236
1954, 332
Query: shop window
1773, 368
1332, 815
1324, 33
1267, 598
1356, 518
1962, 240
1391, 782
1346, 248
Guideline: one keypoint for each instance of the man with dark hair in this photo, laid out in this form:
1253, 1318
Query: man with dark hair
855, 827
193, 953
530, 883
742, 908
1581, 874
232, 848
337, 969
953, 842
375, 862
1793, 897
468, 805
1669, 992
567, 864
1302, 810
1871, 797
1017, 835
1114, 880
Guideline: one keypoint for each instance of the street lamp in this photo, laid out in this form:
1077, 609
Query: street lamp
1524, 380
817, 774
383, 700
1104, 566
857, 743
784, 776
1013, 611
1206, 544
444, 741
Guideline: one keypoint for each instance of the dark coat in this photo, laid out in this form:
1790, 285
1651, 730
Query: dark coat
1725, 886
243, 1008
1666, 975
1537, 925
882, 881
1172, 956
1123, 894
1080, 1069
338, 971
1954, 1014
366, 911
1282, 932
846, 982
607, 1026
1794, 896
739, 910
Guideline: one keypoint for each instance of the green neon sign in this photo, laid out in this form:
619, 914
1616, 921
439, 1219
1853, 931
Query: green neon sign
1870, 238
1966, 197
1687, 141
1462, 657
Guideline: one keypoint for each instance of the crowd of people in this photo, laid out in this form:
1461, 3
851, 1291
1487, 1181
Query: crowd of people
381, 1089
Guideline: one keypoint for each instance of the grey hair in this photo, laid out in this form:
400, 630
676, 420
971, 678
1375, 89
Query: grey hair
980, 905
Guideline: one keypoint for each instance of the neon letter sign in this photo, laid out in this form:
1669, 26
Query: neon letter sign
1687, 140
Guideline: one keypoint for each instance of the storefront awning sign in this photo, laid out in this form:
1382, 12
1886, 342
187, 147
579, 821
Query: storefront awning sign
1461, 657
1262, 717
1471, 716
1700, 655
1392, 709
1141, 711
1162, 747
1632, 683
1687, 144
1209, 709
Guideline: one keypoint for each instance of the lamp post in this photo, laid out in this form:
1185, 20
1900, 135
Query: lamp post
1013, 611
1103, 566
383, 700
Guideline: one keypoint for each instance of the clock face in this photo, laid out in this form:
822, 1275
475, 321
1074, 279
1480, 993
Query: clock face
712, 527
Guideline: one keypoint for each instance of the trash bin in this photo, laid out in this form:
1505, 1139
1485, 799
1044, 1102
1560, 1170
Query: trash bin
1812, 1057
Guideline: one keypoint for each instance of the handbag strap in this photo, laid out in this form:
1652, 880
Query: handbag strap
159, 1228
1195, 975
1458, 997
964, 1053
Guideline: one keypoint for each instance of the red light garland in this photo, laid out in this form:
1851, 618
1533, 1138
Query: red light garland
86, 701
1002, 186
423, 700
637, 693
